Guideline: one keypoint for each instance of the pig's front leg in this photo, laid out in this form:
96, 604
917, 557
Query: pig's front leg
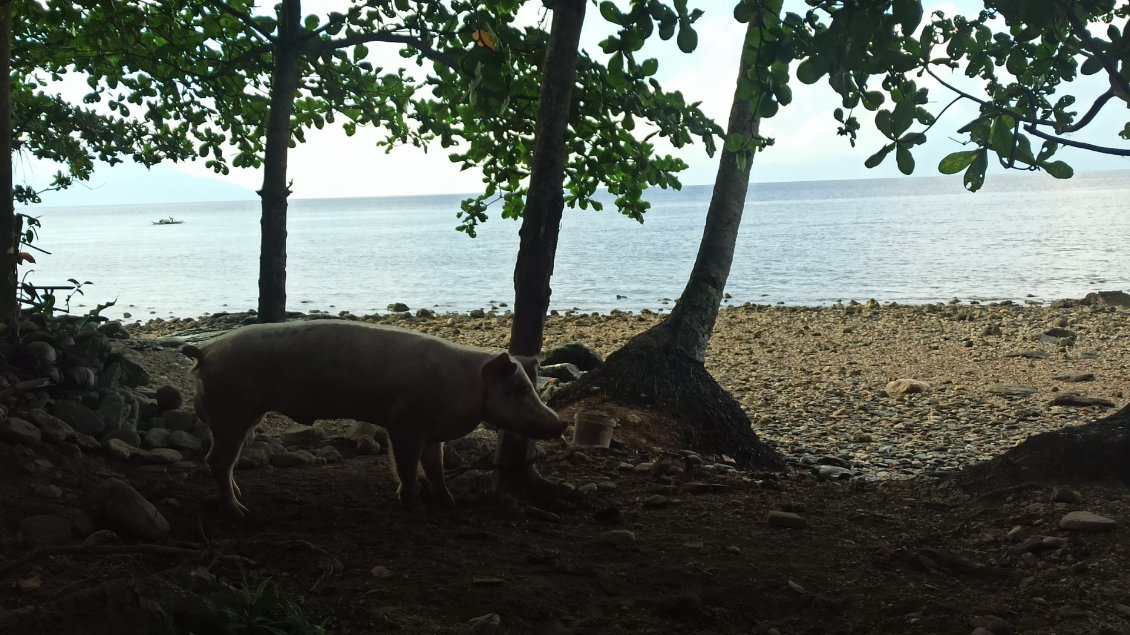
432, 459
406, 449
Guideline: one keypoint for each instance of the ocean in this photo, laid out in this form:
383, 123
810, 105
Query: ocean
909, 240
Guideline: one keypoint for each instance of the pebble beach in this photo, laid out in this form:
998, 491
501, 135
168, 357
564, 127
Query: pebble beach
883, 390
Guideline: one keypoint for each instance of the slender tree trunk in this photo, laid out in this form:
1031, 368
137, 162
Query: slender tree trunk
663, 368
541, 223
9, 242
284, 87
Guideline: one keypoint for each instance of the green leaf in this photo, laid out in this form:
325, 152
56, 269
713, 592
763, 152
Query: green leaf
957, 161
908, 13
744, 11
688, 39
609, 12
904, 159
809, 71
1091, 65
975, 174
874, 160
649, 67
1059, 169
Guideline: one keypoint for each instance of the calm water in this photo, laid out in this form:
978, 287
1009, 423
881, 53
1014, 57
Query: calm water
910, 240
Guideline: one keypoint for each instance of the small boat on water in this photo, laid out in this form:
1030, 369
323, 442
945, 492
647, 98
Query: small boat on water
168, 221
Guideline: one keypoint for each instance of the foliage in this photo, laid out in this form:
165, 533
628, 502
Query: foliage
485, 106
261, 610
1024, 56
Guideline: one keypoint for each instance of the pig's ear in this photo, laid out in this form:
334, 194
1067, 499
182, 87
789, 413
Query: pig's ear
529, 364
500, 367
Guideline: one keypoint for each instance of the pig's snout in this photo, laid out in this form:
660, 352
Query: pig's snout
551, 431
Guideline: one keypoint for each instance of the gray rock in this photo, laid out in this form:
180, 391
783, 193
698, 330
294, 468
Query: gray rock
110, 376
832, 472
329, 454
1074, 378
53, 428
159, 456
156, 438
15, 430
43, 353
1107, 298
656, 500
1011, 390
302, 435
425, 313
119, 449
1077, 400
129, 436
114, 330
121, 508
182, 440
46, 529
1086, 521
565, 372
1054, 335
168, 398
1030, 354
252, 457
292, 458
91, 347
786, 519
87, 442
618, 537
476, 313
133, 375
901, 387
575, 353
78, 417
180, 420
398, 307
171, 341
81, 377
1064, 494
114, 411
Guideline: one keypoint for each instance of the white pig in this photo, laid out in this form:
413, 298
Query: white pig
424, 390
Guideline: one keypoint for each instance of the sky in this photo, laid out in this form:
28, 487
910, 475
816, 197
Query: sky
330, 164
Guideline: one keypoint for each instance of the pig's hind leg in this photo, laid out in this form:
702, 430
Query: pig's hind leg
432, 460
405, 455
228, 434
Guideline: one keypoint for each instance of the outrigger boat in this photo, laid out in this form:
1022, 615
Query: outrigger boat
168, 221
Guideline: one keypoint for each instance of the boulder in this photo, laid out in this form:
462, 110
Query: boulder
124, 434
1086, 521
114, 330
53, 428
575, 353
564, 372
1107, 298
15, 430
133, 375
181, 440
114, 411
398, 307
1075, 399
902, 387
1011, 390
118, 449
78, 417
168, 398
122, 509
156, 438
180, 420
302, 436
81, 377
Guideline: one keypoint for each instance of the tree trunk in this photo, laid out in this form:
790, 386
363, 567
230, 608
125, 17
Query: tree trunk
541, 224
284, 87
663, 367
9, 242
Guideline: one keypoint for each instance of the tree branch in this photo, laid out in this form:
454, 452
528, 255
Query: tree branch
363, 38
1118, 152
1095, 48
244, 18
1092, 112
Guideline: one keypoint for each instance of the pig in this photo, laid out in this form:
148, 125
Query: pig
424, 390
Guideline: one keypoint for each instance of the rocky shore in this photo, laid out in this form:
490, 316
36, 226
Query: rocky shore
870, 390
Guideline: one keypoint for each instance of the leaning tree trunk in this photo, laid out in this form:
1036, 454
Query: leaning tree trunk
284, 87
663, 368
541, 224
9, 242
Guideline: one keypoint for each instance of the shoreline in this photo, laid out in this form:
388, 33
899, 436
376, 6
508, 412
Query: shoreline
813, 379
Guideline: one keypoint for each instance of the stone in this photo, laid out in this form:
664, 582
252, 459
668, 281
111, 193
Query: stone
180, 420
425, 313
1108, 298
171, 341
1011, 390
129, 436
1074, 378
78, 417
786, 519
329, 454
302, 435
43, 353
122, 509
565, 372
833, 472
15, 430
254, 457
133, 375
119, 449
46, 529
1034, 354
398, 307
476, 313
292, 458
656, 500
488, 624
91, 347
181, 440
1054, 335
575, 353
618, 537
1077, 400
1086, 521
53, 428
168, 398
81, 377
114, 330
901, 387
114, 411
156, 438
159, 456
1064, 494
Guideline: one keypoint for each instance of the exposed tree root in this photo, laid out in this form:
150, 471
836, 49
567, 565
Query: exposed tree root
645, 374
1093, 452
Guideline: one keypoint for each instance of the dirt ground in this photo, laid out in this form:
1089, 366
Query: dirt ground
654, 541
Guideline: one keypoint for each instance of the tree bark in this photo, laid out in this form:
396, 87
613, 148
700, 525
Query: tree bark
663, 368
284, 88
9, 242
541, 224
